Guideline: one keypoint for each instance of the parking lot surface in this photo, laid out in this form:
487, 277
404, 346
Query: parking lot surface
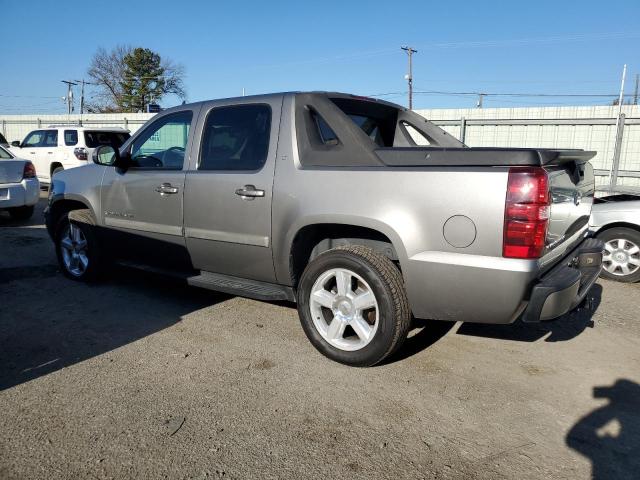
142, 377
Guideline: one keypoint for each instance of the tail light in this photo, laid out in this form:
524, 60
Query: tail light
526, 213
80, 153
29, 170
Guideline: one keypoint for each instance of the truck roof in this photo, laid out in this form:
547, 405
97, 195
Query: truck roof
268, 96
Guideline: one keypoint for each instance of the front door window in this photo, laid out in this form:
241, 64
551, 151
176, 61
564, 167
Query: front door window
162, 145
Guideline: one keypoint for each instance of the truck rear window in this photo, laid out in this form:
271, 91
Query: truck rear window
95, 139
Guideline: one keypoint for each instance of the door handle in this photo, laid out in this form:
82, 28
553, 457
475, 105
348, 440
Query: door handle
249, 192
166, 189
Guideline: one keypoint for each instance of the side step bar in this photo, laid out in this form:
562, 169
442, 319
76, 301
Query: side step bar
242, 287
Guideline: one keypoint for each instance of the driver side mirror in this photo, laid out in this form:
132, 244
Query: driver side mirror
108, 156
15, 143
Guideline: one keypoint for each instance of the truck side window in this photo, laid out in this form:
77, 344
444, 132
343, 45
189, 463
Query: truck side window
34, 139
236, 138
162, 144
325, 133
70, 137
50, 138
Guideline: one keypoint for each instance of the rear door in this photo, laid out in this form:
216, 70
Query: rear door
228, 189
143, 205
46, 154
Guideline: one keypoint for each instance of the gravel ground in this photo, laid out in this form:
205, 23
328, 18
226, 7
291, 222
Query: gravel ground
141, 377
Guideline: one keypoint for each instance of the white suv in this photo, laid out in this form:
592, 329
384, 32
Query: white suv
59, 147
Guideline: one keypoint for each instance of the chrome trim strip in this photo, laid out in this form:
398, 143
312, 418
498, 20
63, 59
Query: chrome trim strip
228, 237
143, 226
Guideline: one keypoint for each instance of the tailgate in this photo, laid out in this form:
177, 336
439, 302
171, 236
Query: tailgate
571, 188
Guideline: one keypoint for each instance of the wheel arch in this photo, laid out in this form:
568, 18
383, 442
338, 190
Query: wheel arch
64, 204
309, 240
609, 226
53, 166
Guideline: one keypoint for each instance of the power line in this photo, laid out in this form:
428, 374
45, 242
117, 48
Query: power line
25, 96
517, 94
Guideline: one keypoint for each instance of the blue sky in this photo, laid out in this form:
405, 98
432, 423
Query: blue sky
265, 46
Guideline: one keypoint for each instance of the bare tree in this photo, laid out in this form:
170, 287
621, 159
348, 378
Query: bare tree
108, 71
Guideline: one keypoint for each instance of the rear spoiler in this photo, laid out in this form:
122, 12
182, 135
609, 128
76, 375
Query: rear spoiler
479, 157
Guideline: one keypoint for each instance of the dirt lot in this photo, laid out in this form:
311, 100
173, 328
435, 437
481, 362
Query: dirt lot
142, 377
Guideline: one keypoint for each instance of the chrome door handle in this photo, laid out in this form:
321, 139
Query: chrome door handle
166, 189
249, 192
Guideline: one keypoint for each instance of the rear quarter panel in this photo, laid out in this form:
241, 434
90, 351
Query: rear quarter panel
411, 207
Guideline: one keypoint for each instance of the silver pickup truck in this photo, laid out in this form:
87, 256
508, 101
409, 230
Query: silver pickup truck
361, 211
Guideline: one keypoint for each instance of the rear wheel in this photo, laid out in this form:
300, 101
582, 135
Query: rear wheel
76, 246
353, 306
621, 259
21, 213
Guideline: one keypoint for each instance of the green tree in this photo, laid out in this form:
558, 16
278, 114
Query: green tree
147, 80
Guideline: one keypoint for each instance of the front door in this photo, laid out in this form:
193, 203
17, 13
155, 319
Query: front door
228, 190
31, 149
142, 206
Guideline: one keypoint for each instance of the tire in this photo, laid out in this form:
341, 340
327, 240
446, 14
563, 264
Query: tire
622, 254
56, 170
21, 213
363, 273
87, 264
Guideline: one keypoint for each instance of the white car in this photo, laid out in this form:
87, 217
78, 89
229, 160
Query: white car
19, 186
615, 219
60, 147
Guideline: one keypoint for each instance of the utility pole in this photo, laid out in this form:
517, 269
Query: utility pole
480, 99
613, 172
69, 95
82, 84
635, 93
409, 77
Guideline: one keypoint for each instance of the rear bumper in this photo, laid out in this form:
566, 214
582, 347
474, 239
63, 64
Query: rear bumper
25, 193
562, 288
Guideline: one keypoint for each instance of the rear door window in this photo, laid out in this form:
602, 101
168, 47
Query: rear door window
50, 138
94, 139
70, 137
236, 138
4, 154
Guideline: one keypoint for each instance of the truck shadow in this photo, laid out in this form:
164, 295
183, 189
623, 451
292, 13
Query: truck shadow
71, 322
609, 436
559, 330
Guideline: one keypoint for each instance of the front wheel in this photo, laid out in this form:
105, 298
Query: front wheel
353, 306
76, 246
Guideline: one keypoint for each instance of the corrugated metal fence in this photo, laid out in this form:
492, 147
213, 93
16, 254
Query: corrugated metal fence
587, 127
